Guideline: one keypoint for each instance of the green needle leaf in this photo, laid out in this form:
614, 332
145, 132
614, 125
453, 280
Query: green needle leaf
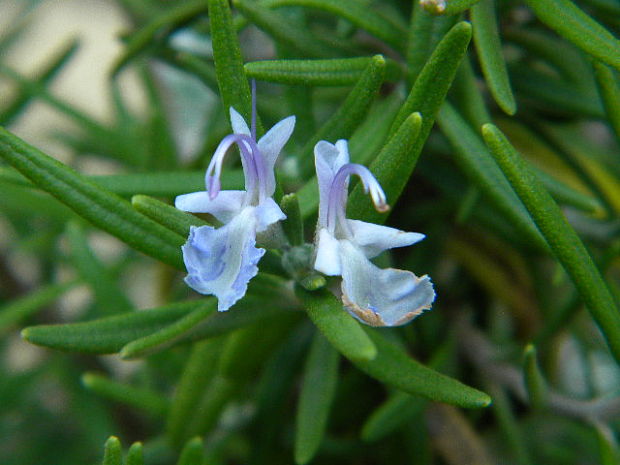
102, 208
135, 455
331, 72
46, 75
292, 225
561, 237
431, 86
359, 14
565, 18
109, 296
107, 335
282, 30
399, 408
193, 453
489, 48
197, 374
231, 80
22, 308
447, 7
143, 39
609, 88
166, 215
142, 399
396, 368
350, 114
392, 168
340, 329
167, 336
534, 380
113, 454
315, 398
477, 163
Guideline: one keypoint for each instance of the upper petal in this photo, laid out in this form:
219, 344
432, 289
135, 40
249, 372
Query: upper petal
374, 238
381, 297
270, 146
222, 261
238, 124
327, 259
224, 207
328, 159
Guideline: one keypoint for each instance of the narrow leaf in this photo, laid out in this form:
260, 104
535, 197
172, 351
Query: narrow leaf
609, 452
292, 225
193, 453
102, 208
534, 380
142, 399
22, 308
396, 368
234, 88
431, 86
340, 329
447, 7
342, 123
609, 89
359, 14
391, 414
489, 48
107, 335
49, 71
572, 23
167, 336
197, 373
277, 26
109, 296
330, 72
113, 454
135, 456
477, 163
392, 167
561, 237
315, 399
425, 31
166, 215
143, 38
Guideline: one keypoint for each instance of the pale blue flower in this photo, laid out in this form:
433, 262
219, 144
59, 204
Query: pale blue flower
222, 261
378, 297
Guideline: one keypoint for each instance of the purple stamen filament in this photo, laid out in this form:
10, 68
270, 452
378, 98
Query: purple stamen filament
254, 166
338, 192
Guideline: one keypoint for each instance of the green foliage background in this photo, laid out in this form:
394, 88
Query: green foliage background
494, 127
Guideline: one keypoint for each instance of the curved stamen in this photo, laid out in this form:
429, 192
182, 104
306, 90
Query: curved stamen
253, 165
337, 198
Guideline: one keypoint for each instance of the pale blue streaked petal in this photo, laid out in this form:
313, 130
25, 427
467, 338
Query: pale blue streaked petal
327, 259
381, 297
270, 146
224, 207
328, 159
238, 124
222, 261
267, 213
374, 238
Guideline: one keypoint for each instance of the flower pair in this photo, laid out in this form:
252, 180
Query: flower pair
222, 261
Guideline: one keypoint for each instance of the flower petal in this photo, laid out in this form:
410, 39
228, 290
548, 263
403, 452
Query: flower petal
267, 212
270, 146
377, 297
222, 261
374, 238
327, 259
224, 207
238, 124
328, 159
